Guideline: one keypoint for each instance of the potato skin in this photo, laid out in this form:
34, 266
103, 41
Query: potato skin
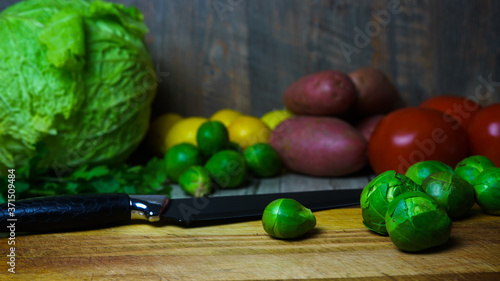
319, 146
367, 125
327, 92
376, 93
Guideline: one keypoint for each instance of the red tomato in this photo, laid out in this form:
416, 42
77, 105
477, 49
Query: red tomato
484, 133
415, 134
461, 108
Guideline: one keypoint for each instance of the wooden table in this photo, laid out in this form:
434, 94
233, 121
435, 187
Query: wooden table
339, 248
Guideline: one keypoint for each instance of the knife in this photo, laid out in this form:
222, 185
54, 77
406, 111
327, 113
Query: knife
84, 211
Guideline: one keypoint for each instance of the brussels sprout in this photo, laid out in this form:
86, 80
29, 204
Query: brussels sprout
263, 160
180, 157
487, 187
379, 193
212, 137
472, 166
421, 170
451, 192
287, 218
416, 222
227, 168
196, 181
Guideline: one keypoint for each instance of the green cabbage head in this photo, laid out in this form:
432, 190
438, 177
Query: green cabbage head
76, 76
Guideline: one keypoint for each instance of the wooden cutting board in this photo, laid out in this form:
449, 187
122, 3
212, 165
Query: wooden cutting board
339, 248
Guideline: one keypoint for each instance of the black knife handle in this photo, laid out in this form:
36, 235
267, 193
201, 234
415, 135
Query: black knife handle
68, 212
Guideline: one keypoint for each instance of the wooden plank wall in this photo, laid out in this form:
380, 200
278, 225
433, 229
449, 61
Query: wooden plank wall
242, 54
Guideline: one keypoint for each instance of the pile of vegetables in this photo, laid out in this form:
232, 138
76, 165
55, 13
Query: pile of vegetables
213, 161
341, 122
311, 136
334, 113
76, 104
416, 216
416, 209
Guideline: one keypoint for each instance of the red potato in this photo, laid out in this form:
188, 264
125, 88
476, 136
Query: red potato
376, 93
367, 125
326, 92
319, 146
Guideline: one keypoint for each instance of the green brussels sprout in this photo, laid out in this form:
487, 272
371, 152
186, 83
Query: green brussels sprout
263, 160
228, 168
377, 195
421, 170
196, 181
416, 222
287, 218
180, 157
451, 192
487, 187
472, 166
212, 137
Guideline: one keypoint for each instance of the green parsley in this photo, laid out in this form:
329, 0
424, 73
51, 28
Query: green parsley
148, 179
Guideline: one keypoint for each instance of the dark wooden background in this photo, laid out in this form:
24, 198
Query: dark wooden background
242, 54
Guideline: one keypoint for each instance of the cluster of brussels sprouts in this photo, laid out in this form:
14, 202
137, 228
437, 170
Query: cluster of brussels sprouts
416, 209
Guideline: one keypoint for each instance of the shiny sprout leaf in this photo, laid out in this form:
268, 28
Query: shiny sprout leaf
416, 222
419, 171
286, 218
451, 192
377, 195
472, 166
487, 188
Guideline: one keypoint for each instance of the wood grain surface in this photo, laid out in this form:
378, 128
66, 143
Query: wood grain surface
339, 248
242, 54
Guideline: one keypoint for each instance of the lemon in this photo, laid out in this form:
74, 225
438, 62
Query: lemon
248, 130
226, 116
179, 158
184, 131
212, 137
275, 117
263, 160
227, 168
158, 131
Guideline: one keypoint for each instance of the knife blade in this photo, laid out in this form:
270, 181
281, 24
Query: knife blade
84, 211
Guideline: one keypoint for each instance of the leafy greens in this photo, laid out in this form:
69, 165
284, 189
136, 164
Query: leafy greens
77, 77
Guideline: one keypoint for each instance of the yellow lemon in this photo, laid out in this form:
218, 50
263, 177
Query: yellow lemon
275, 117
248, 130
226, 116
184, 131
158, 131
